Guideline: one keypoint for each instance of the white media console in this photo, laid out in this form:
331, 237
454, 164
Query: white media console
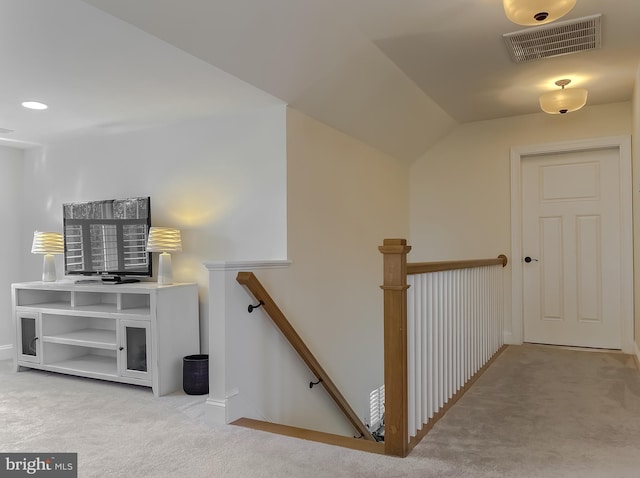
131, 333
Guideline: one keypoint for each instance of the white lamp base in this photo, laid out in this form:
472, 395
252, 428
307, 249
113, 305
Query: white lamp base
49, 268
165, 271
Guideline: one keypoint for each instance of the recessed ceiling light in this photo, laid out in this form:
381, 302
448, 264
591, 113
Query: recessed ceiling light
34, 105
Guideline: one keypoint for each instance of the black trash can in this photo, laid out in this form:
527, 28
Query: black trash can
195, 374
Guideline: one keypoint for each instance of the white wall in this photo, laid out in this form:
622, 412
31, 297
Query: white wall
460, 189
221, 180
344, 198
12, 244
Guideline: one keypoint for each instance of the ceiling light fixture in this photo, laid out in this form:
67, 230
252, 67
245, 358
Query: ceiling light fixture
536, 12
34, 105
559, 102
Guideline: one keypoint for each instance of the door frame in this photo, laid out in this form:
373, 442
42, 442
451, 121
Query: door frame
519, 154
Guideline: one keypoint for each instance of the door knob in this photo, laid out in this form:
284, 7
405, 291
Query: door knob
529, 259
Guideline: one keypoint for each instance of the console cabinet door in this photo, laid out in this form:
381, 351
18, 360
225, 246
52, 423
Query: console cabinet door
28, 328
135, 349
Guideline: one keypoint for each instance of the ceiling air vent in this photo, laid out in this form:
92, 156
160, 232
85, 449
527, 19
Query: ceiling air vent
555, 39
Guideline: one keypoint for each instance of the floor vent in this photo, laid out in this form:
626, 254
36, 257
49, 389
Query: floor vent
560, 38
376, 413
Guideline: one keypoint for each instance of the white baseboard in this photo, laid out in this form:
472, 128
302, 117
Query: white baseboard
636, 351
6, 352
216, 411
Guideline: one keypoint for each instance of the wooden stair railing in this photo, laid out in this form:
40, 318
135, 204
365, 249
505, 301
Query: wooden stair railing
395, 286
251, 282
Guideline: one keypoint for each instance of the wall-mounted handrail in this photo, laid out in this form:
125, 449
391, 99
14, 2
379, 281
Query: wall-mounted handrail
251, 282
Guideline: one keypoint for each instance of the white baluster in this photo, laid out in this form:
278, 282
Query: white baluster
432, 341
455, 325
411, 355
418, 353
425, 350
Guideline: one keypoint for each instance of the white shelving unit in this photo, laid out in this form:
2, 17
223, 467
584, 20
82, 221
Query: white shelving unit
131, 333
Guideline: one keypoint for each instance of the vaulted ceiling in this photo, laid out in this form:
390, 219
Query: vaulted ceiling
395, 74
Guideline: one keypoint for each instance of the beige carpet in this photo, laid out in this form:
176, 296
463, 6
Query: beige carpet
537, 412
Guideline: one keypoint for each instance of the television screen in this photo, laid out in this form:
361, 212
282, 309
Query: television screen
107, 238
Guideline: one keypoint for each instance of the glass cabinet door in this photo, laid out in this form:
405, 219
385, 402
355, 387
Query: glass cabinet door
28, 337
135, 351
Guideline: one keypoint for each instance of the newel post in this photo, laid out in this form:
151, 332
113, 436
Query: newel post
395, 287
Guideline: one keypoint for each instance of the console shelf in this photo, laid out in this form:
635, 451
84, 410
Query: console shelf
131, 333
93, 366
96, 338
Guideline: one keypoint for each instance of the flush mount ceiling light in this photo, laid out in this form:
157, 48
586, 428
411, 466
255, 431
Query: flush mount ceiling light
34, 105
559, 102
536, 12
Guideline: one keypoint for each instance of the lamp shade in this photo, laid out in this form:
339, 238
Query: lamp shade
536, 12
47, 243
563, 101
164, 239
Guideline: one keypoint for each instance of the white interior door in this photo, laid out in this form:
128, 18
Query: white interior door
571, 231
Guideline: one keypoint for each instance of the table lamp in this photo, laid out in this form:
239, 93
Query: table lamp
48, 243
164, 240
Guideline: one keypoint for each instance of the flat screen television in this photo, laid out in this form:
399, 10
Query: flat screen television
107, 239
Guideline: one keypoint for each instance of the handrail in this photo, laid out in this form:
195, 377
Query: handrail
251, 282
426, 267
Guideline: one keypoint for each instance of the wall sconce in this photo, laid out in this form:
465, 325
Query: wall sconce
48, 243
536, 12
564, 100
164, 240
